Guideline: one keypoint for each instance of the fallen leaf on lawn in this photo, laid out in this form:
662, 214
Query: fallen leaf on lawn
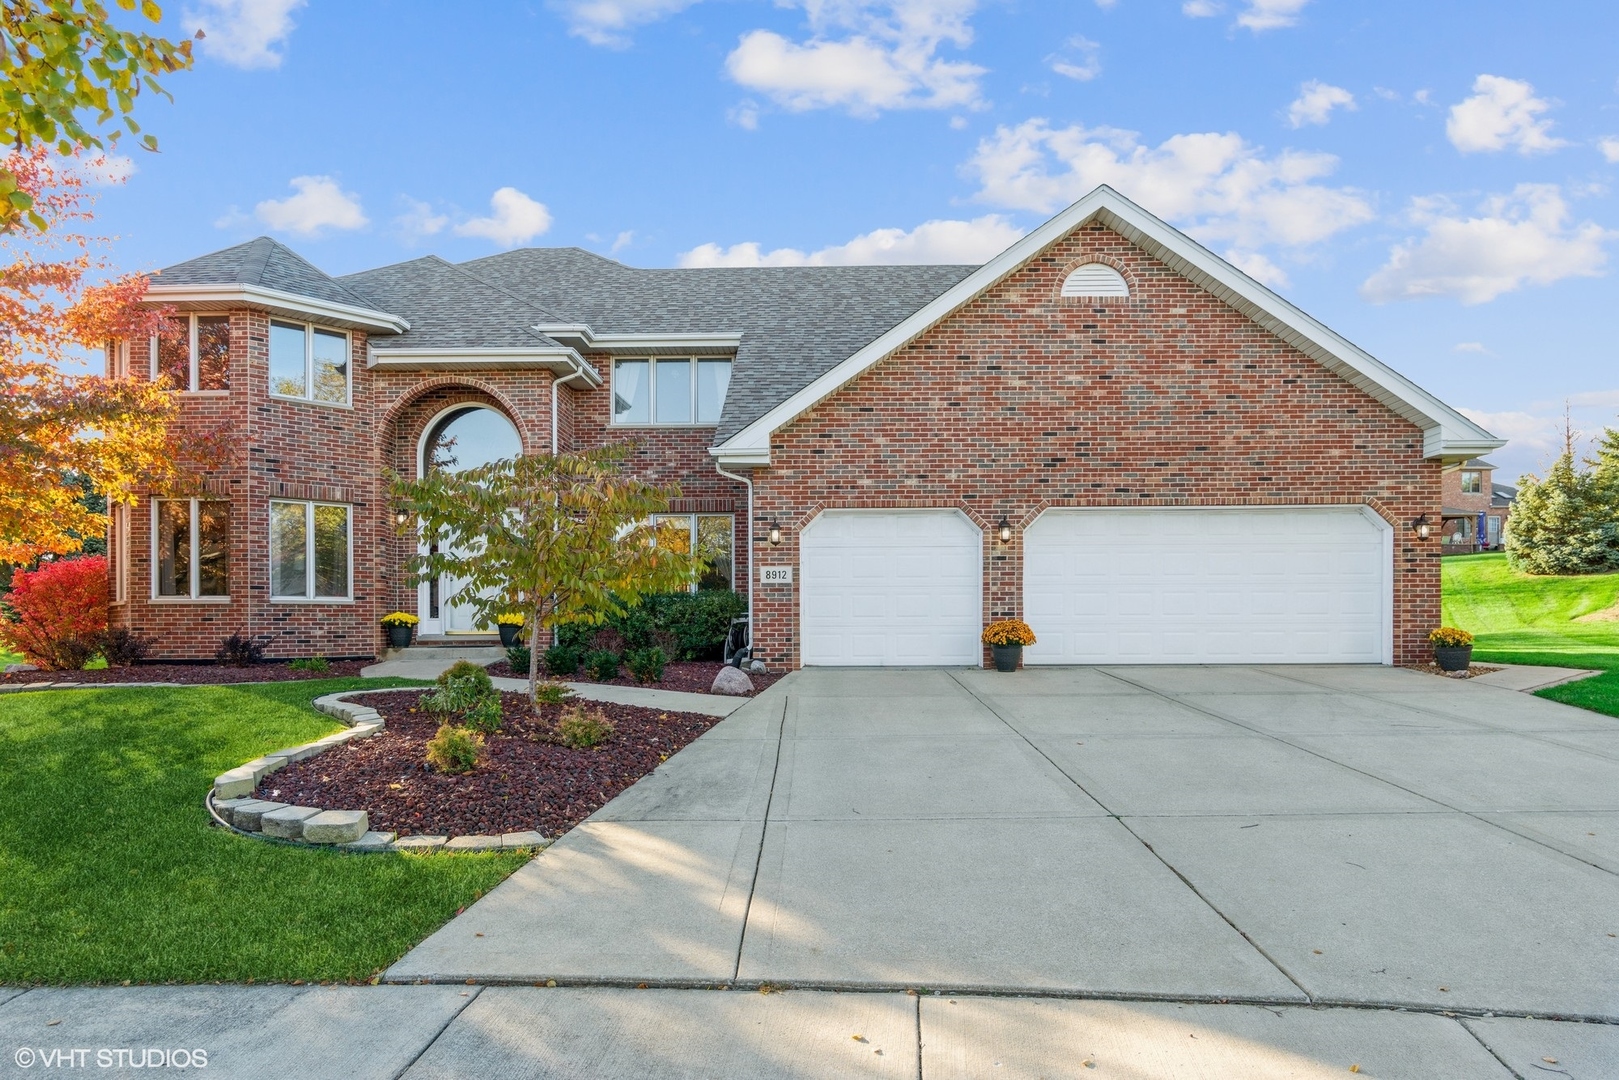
1354, 1068
858, 1038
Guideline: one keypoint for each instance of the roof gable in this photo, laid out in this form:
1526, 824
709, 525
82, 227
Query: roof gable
1446, 433
264, 262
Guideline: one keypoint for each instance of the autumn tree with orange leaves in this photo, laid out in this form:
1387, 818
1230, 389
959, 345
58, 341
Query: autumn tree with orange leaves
59, 299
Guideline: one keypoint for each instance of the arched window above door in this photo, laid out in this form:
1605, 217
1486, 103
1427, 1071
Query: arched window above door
466, 437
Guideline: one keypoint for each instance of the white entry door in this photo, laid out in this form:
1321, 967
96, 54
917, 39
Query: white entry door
1209, 586
891, 587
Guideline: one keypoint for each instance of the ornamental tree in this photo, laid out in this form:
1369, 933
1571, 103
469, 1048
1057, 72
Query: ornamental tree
65, 71
563, 538
63, 433
59, 612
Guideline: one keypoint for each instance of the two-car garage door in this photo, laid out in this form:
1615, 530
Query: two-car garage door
1102, 586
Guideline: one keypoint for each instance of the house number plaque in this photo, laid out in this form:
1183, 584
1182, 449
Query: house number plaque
775, 575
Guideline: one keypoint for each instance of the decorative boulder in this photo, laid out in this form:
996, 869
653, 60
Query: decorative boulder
18, 669
733, 682
757, 667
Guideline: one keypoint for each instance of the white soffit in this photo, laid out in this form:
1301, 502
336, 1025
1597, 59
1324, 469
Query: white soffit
220, 297
562, 362
1446, 432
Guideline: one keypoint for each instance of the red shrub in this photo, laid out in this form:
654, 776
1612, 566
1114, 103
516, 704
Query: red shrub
60, 612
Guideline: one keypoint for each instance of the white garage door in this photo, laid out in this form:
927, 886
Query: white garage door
891, 587
1208, 586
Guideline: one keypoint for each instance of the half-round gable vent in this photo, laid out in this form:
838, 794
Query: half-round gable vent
1095, 279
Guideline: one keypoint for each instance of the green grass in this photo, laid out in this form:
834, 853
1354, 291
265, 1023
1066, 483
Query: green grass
1522, 619
9, 658
109, 870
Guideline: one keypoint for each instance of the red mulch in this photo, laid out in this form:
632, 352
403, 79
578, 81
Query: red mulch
190, 674
521, 783
690, 676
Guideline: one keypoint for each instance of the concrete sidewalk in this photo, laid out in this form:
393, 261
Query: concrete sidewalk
420, 1032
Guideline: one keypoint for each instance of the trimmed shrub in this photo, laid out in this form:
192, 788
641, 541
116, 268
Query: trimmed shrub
561, 660
551, 693
602, 665
316, 664
518, 656
59, 612
122, 647
484, 717
240, 650
454, 750
646, 664
686, 625
579, 728
460, 688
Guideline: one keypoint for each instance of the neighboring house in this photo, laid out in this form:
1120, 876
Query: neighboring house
1475, 508
1106, 430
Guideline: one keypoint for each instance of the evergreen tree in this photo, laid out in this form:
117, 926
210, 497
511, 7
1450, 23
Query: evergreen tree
1567, 522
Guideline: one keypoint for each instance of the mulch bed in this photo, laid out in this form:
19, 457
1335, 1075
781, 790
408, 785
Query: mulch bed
1473, 671
689, 676
190, 674
521, 782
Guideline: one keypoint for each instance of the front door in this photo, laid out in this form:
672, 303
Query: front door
460, 438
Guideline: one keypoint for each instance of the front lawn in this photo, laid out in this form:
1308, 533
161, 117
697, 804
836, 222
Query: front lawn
1522, 619
110, 871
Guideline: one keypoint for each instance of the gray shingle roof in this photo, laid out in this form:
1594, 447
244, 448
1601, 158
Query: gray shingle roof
449, 307
266, 263
796, 322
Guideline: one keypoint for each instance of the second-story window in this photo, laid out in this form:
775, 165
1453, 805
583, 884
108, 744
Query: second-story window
309, 363
670, 391
193, 351
1472, 483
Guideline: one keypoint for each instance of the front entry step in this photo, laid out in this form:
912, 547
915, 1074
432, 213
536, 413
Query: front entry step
429, 661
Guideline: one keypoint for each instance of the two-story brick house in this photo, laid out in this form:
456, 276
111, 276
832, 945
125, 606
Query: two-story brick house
1475, 508
1107, 430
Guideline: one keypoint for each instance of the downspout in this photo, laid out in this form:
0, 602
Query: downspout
747, 480
578, 370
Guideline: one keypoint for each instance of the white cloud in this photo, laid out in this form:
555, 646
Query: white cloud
1201, 9
1258, 267
864, 56
608, 22
108, 169
1216, 186
516, 219
318, 204
1316, 101
1524, 238
1471, 347
244, 33
1610, 149
1106, 4
975, 241
745, 115
622, 241
418, 220
1270, 14
1081, 59
1502, 114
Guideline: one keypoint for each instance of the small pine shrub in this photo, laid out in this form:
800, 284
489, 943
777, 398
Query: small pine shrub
646, 664
551, 693
122, 647
561, 661
316, 664
519, 657
454, 750
240, 650
485, 716
59, 612
580, 728
602, 665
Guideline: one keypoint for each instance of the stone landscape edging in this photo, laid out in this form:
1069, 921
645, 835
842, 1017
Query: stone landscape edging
347, 830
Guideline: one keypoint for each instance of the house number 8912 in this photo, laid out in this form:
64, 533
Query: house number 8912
775, 575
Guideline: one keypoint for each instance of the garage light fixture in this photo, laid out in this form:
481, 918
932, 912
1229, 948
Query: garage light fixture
1422, 527
775, 533
1004, 530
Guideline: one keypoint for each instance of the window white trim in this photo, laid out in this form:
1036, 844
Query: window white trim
193, 570
118, 526
652, 361
308, 396
309, 596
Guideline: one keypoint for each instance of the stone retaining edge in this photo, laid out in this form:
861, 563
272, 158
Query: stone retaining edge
232, 790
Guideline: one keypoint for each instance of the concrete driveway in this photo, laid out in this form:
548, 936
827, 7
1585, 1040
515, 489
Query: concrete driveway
1267, 835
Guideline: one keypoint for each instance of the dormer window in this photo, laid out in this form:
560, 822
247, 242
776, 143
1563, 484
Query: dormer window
1095, 279
666, 391
1472, 483
193, 351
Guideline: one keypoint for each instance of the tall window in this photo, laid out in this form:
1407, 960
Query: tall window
711, 535
308, 363
190, 549
1472, 483
118, 551
670, 391
193, 352
309, 551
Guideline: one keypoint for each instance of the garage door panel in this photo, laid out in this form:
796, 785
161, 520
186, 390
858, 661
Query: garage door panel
1237, 586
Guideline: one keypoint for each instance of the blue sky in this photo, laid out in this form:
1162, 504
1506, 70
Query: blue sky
1435, 180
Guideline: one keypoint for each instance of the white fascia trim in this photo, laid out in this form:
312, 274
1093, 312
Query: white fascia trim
566, 359
733, 457
368, 318
594, 342
1445, 430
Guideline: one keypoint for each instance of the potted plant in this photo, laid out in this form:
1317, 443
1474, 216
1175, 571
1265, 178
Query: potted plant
400, 625
510, 625
1452, 648
1006, 639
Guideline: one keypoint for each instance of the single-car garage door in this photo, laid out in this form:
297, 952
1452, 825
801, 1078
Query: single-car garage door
891, 587
1209, 586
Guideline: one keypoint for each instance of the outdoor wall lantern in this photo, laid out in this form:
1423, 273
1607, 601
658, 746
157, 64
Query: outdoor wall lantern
401, 517
1004, 530
775, 533
1422, 527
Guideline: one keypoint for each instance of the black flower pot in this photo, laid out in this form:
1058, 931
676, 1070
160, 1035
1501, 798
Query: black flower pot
1453, 657
399, 636
510, 635
1006, 656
